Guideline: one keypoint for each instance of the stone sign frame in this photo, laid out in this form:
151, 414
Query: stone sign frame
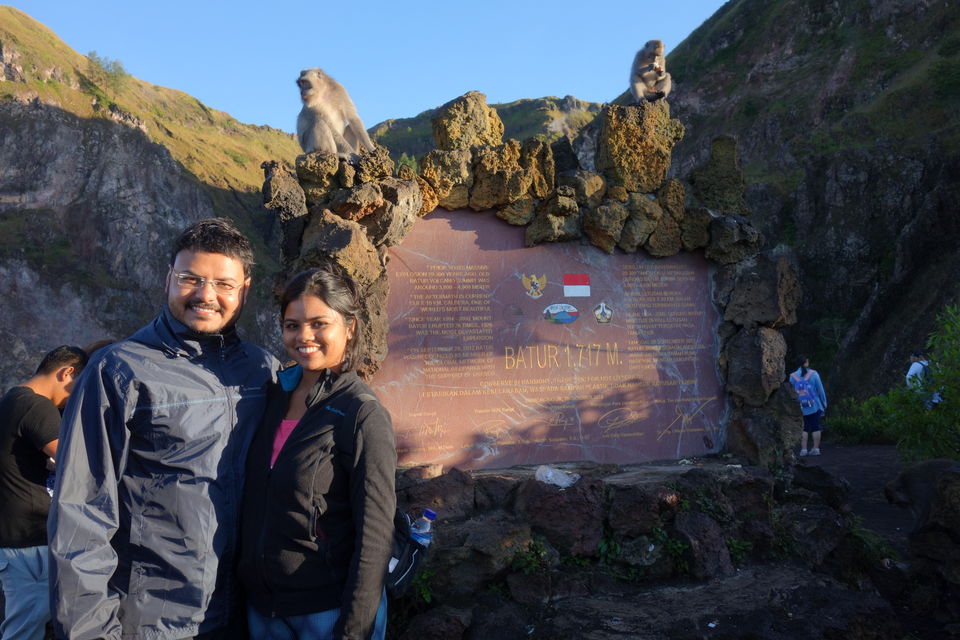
614, 190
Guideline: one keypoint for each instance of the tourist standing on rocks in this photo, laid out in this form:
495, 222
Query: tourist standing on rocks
29, 431
319, 501
145, 517
813, 404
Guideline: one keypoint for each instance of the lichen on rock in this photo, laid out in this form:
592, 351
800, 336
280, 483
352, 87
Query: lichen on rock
518, 213
635, 145
645, 214
467, 122
589, 188
719, 183
604, 224
498, 176
450, 173
732, 239
536, 158
665, 239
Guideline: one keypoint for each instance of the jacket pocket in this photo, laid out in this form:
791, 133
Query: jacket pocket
319, 536
321, 478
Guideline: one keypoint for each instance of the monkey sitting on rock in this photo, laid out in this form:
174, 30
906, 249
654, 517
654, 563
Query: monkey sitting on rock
328, 122
649, 79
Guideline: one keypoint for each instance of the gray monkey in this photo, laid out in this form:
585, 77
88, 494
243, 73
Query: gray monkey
649, 79
328, 122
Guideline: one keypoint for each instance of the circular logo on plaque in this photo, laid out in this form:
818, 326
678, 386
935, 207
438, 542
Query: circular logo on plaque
561, 313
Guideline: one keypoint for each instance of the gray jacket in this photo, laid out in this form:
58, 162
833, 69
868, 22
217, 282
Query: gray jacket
143, 528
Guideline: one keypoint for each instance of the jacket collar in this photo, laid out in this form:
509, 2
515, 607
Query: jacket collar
179, 339
327, 383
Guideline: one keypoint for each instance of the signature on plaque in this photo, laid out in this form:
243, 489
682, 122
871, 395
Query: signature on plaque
618, 418
558, 419
496, 429
685, 419
434, 428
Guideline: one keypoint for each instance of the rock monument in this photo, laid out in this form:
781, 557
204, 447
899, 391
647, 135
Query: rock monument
357, 213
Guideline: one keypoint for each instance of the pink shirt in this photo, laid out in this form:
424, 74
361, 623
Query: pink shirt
286, 426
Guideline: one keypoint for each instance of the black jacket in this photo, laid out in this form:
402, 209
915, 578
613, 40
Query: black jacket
317, 528
145, 517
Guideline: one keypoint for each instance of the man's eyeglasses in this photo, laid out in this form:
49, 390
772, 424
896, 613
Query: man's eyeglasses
190, 281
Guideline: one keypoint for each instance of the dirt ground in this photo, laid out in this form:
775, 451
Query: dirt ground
868, 468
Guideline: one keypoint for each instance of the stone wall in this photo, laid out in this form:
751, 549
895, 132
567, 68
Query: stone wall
672, 551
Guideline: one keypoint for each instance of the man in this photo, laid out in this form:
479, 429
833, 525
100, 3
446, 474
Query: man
29, 424
915, 374
918, 377
143, 530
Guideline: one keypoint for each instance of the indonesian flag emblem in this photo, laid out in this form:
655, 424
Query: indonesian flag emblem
576, 285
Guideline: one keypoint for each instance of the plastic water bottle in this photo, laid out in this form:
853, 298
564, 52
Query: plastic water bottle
421, 531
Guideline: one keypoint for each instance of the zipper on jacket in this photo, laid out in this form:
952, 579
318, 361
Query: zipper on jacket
262, 554
314, 523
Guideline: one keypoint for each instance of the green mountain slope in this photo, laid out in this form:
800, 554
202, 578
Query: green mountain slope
849, 136
210, 144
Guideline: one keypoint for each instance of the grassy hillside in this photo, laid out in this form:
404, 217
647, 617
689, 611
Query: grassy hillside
220, 153
210, 144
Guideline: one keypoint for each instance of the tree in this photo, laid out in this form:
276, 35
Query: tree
110, 72
409, 161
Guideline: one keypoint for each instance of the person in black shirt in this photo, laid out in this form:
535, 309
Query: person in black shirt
29, 426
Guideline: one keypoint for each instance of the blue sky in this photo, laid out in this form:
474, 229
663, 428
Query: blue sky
396, 59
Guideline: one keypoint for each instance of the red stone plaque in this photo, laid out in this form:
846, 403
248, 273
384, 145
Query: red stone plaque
502, 354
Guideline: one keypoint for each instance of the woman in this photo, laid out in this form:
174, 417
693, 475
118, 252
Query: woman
813, 403
318, 521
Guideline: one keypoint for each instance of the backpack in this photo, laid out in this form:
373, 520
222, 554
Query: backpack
804, 390
932, 397
407, 553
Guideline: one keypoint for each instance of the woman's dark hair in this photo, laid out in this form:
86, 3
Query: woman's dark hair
802, 363
338, 291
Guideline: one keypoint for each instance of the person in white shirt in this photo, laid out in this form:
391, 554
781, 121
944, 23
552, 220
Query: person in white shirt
918, 375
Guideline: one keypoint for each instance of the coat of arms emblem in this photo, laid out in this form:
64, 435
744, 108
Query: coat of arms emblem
534, 285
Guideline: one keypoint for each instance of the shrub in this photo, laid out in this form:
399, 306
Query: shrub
409, 161
900, 414
945, 77
950, 46
863, 422
110, 72
530, 559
